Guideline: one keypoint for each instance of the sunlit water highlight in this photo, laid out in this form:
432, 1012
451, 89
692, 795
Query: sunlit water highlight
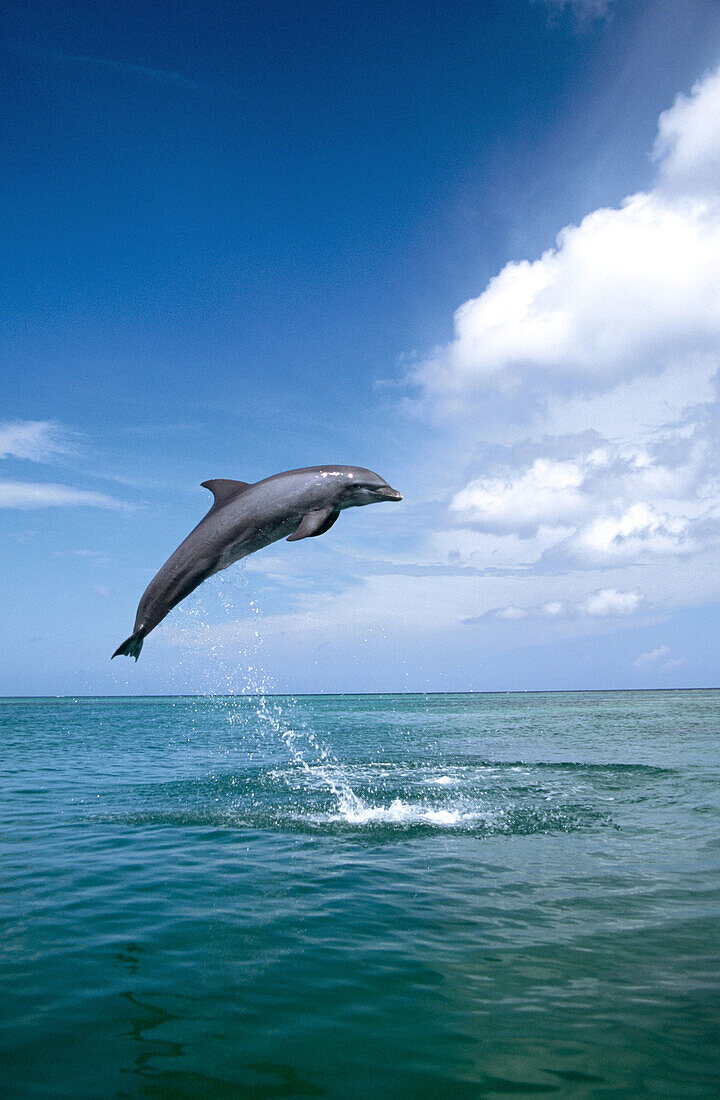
396, 896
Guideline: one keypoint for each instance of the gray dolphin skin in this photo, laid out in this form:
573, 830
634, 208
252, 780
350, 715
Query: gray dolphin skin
299, 504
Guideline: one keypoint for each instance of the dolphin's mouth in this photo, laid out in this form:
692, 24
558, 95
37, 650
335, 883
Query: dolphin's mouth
386, 493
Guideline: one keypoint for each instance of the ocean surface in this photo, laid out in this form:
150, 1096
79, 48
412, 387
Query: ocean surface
361, 896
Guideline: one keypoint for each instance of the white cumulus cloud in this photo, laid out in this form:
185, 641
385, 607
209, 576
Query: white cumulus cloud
630, 291
608, 601
607, 505
603, 604
688, 141
634, 535
547, 492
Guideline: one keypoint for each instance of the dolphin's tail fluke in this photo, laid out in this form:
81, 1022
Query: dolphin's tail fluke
131, 646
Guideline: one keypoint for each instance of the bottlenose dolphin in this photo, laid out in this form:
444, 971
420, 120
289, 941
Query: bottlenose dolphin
299, 504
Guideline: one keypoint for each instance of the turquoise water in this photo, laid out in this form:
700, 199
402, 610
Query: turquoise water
395, 896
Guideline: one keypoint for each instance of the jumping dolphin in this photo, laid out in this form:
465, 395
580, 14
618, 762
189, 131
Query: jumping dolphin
299, 504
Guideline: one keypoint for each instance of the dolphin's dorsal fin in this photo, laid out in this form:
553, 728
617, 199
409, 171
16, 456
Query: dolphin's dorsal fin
224, 490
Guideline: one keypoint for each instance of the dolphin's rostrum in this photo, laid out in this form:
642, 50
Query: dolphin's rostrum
299, 504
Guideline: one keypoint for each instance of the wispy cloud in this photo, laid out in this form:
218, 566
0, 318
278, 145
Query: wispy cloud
653, 656
43, 441
27, 494
34, 440
92, 555
583, 10
165, 77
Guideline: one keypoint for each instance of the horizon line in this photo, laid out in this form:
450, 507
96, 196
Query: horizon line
367, 694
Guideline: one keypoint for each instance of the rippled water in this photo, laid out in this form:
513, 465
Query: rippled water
396, 896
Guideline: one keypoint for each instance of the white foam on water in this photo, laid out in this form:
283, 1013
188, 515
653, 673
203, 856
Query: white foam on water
401, 813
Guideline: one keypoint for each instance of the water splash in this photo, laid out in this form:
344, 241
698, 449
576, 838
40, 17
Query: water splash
296, 780
228, 672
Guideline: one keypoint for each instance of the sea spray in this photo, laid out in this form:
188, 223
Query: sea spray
228, 668
221, 638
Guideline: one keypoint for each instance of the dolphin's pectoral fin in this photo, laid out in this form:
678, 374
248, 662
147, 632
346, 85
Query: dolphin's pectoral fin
224, 490
314, 523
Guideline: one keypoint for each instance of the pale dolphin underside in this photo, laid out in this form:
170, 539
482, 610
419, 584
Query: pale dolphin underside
299, 504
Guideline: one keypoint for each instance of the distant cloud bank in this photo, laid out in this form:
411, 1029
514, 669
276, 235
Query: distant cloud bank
592, 372
603, 604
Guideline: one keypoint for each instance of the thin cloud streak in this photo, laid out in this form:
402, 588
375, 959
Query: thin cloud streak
163, 77
28, 494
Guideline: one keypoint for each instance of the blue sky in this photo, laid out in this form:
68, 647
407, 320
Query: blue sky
472, 246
